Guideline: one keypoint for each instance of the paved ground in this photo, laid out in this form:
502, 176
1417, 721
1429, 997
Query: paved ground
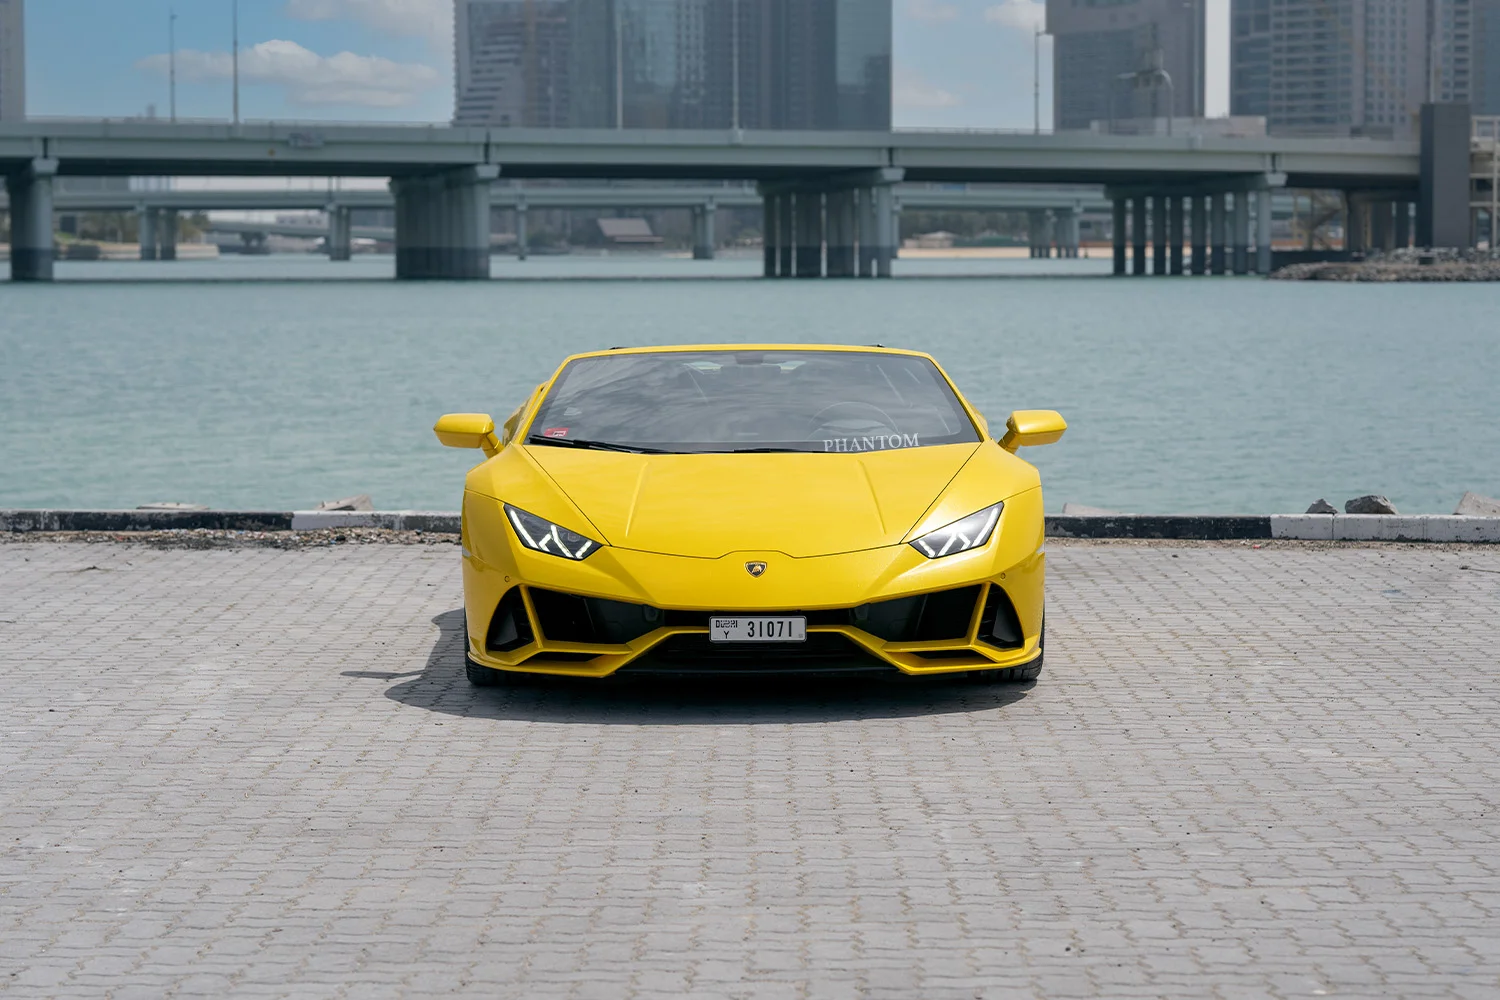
1267, 772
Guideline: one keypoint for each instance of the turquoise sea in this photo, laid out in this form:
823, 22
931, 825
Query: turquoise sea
275, 383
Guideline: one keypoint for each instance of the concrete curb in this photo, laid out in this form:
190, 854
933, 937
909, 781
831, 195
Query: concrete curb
1205, 527
1194, 526
144, 520
1386, 527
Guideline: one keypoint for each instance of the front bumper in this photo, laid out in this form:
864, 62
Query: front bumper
623, 610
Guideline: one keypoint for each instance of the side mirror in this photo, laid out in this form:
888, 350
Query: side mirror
468, 430
1032, 427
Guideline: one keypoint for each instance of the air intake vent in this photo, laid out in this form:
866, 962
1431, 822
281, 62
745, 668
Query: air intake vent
509, 628
999, 625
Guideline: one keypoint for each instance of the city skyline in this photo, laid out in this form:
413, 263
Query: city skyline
957, 63
753, 64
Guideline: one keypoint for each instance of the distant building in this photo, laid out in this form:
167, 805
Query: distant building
1124, 59
1355, 67
765, 64
12, 60
1487, 50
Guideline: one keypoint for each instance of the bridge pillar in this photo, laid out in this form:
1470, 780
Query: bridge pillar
1403, 225
1159, 235
1218, 224
1443, 210
1199, 230
703, 231
166, 234
146, 226
1117, 233
1355, 217
1382, 226
887, 228
339, 235
1239, 236
31, 237
768, 236
1263, 232
1036, 228
1067, 232
786, 235
840, 209
1175, 233
809, 235
443, 224
1138, 236
523, 236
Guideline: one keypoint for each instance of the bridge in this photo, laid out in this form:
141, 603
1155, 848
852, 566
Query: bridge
1054, 210
828, 198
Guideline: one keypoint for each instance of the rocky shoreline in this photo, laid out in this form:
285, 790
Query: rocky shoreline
1402, 265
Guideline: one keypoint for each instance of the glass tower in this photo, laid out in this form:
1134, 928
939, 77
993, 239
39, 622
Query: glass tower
713, 64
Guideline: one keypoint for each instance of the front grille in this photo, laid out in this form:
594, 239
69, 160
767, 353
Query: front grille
923, 618
570, 618
695, 653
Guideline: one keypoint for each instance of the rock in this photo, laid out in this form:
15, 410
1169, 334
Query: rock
1321, 506
360, 502
1079, 510
172, 505
1475, 505
1372, 503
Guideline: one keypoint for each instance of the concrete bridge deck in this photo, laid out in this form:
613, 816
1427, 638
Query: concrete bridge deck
1266, 771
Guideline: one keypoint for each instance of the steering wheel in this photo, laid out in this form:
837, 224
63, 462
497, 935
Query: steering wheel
830, 412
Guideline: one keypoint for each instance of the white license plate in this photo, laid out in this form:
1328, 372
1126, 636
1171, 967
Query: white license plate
757, 629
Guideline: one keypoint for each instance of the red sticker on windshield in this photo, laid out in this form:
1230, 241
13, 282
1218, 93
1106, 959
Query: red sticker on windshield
555, 432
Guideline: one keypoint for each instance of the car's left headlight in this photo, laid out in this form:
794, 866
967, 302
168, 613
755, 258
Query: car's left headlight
541, 535
962, 535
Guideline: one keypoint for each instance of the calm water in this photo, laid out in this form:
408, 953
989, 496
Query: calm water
131, 383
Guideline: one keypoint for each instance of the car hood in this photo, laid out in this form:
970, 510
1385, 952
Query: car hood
710, 505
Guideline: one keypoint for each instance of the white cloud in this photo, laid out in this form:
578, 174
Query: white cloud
911, 91
1027, 14
310, 79
429, 19
930, 10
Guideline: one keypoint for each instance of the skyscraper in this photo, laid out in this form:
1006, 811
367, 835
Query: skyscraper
1487, 54
1119, 59
1353, 67
12, 60
674, 63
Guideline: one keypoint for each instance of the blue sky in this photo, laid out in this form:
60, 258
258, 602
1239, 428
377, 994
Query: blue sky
959, 63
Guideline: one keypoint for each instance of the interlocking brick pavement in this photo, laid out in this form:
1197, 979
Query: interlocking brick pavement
1246, 772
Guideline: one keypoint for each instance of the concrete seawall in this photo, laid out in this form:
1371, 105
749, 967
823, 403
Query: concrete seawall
1206, 527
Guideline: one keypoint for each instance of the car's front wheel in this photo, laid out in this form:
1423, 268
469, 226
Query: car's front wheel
482, 676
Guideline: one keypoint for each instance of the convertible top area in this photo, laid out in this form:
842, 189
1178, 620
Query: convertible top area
740, 399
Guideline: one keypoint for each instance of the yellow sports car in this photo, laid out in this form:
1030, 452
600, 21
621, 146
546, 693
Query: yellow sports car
751, 509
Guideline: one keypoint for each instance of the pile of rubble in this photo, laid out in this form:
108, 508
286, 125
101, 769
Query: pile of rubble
1408, 264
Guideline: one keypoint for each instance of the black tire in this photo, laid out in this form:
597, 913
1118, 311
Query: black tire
484, 677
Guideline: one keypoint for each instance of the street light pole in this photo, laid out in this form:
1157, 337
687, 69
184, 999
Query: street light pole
235, 49
1036, 82
172, 61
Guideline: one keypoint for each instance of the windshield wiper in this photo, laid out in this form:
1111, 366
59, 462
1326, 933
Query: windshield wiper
595, 445
755, 451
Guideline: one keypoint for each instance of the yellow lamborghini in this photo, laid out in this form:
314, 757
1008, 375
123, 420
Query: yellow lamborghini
751, 509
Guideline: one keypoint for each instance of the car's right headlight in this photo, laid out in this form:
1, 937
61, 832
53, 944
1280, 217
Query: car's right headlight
541, 535
962, 535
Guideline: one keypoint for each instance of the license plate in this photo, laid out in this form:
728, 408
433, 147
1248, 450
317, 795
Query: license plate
757, 629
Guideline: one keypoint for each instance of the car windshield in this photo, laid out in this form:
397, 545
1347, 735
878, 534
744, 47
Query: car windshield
732, 401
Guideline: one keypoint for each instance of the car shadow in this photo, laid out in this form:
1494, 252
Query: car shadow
442, 687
